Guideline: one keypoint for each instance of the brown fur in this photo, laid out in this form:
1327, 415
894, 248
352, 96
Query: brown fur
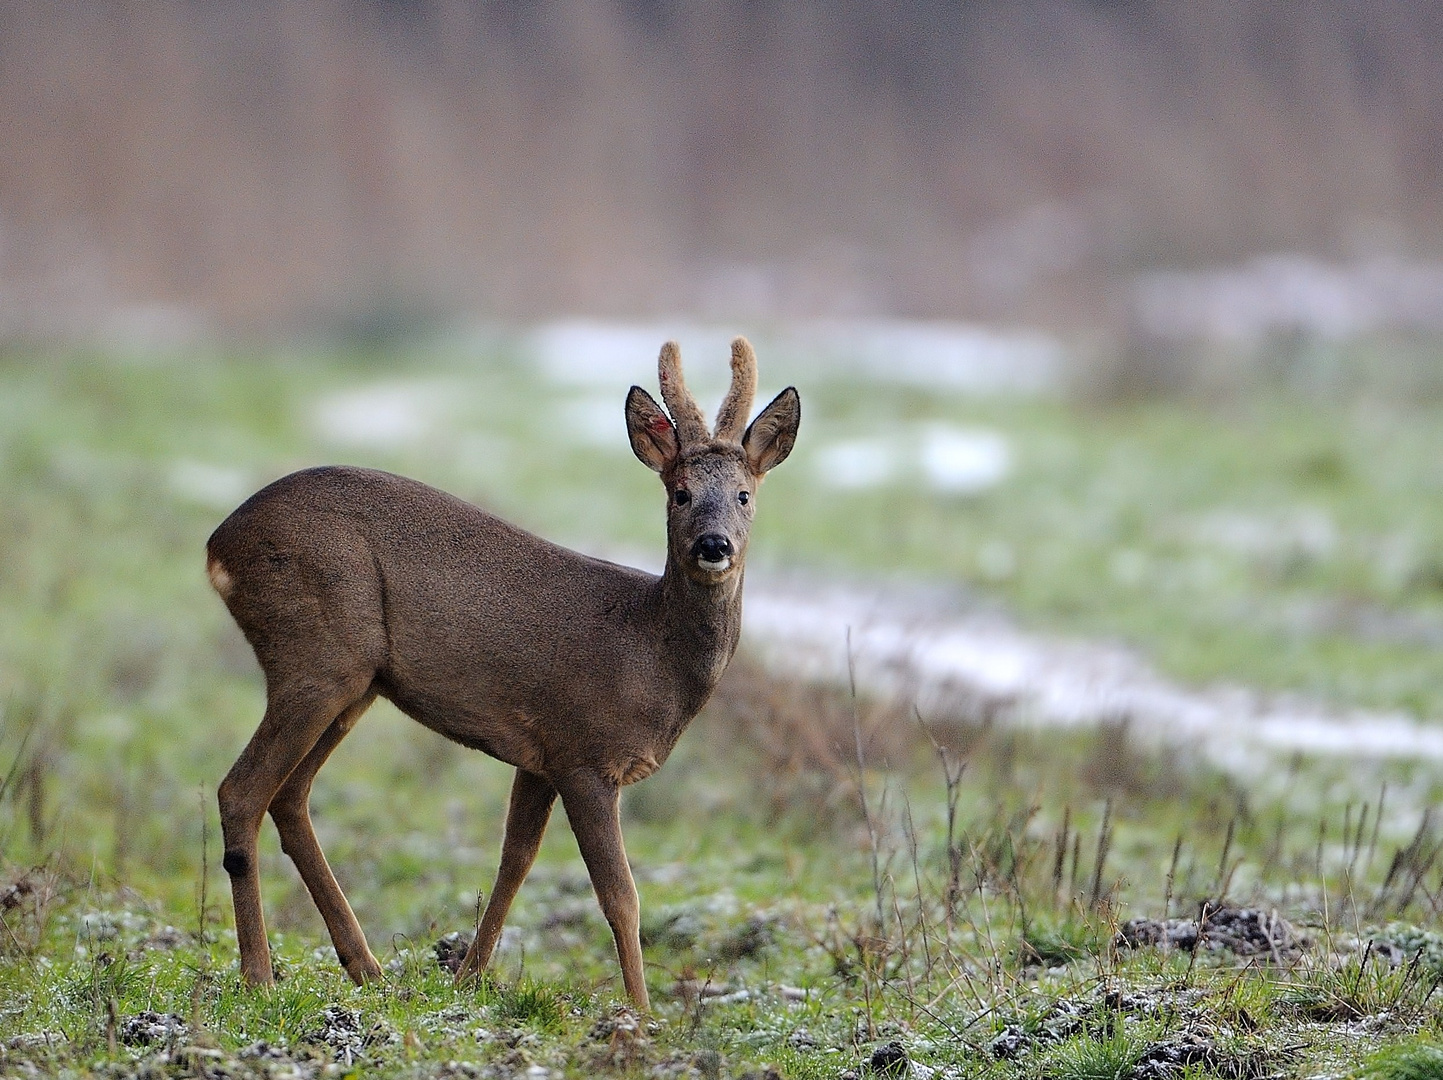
690, 424
731, 418
352, 584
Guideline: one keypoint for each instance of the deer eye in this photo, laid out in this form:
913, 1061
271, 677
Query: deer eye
681, 496
744, 497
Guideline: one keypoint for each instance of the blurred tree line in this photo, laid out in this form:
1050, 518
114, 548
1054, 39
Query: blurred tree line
275, 166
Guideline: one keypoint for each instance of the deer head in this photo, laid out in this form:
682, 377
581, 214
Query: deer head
711, 477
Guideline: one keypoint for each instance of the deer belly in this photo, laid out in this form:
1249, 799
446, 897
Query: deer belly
511, 739
511, 745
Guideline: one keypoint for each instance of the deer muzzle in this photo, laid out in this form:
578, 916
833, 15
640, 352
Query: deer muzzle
713, 552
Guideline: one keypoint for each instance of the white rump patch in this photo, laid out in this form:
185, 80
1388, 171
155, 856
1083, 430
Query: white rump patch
220, 579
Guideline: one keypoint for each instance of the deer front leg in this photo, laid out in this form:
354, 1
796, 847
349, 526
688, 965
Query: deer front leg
593, 806
531, 799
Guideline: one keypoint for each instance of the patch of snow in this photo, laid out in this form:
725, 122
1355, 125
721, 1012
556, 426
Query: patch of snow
964, 461
1014, 254
958, 357
140, 330
583, 352
218, 487
941, 660
387, 415
953, 460
1300, 531
933, 355
598, 421
996, 560
510, 942
856, 464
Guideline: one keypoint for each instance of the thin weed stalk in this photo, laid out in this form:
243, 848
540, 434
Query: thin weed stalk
1104, 844
873, 838
1220, 883
1171, 877
1061, 859
1377, 824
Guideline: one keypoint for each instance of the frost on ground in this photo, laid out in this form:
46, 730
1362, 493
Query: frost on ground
929, 649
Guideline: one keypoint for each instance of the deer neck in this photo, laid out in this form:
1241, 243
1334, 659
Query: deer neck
700, 627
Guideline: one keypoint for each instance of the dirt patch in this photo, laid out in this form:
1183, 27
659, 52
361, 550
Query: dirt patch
1063, 1020
451, 950
1170, 1058
148, 1028
17, 892
621, 1038
1240, 931
747, 940
165, 938
1198, 1043
890, 1060
1165, 1060
23, 902
263, 1059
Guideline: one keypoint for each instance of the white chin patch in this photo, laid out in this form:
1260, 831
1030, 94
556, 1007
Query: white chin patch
715, 567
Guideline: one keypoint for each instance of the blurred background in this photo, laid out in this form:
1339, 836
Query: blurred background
1118, 328
272, 168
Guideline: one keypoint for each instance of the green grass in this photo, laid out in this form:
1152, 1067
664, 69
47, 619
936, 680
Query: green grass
1062, 943
1287, 544
1087, 1057
1406, 1061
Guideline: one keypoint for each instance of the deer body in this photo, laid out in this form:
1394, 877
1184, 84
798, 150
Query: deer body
351, 583
468, 636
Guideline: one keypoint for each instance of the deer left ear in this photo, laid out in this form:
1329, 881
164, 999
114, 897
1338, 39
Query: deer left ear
773, 433
653, 437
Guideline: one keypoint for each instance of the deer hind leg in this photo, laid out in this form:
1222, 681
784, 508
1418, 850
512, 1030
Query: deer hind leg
290, 809
532, 797
297, 714
593, 807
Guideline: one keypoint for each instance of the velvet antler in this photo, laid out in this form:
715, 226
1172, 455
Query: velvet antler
685, 414
731, 418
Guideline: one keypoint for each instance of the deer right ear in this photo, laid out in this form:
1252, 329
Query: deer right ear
653, 437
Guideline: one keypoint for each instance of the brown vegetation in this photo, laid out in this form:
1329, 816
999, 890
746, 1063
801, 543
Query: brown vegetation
267, 164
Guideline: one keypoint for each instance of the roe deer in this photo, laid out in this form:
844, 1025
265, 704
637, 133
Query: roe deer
350, 583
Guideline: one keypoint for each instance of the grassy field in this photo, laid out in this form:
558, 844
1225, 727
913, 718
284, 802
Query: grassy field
1290, 544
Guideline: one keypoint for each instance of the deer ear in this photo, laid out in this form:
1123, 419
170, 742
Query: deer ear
653, 438
773, 433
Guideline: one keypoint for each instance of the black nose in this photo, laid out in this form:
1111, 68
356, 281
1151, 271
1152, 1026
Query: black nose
713, 547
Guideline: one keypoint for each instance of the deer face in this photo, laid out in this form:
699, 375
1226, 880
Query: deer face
711, 481
709, 511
